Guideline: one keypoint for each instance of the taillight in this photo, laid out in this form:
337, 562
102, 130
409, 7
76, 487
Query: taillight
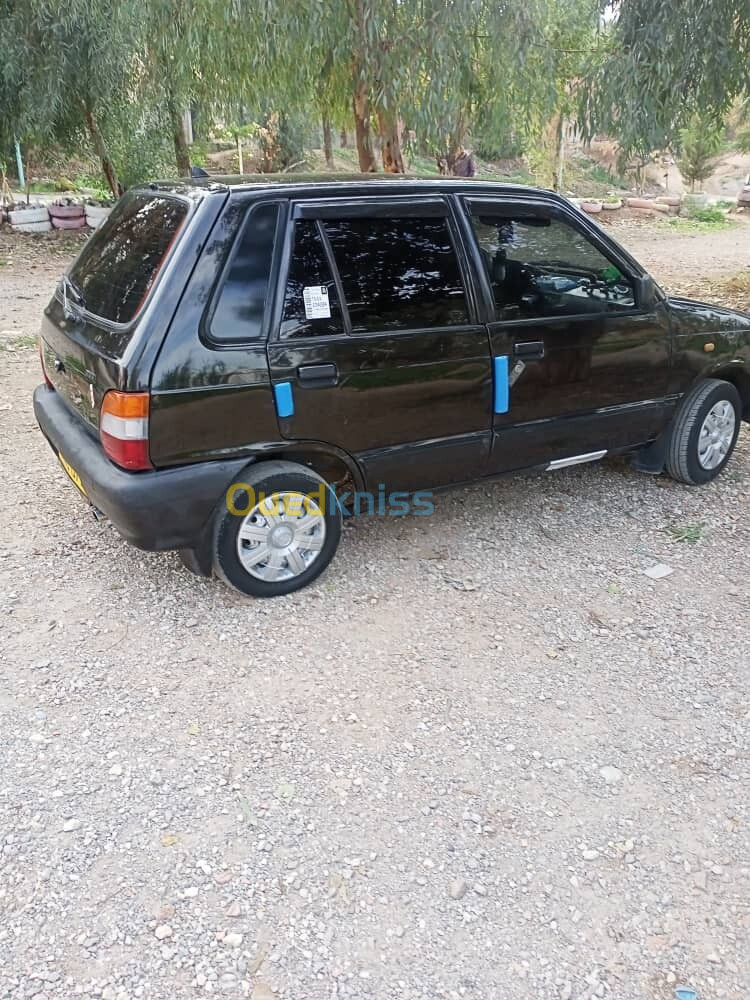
44, 370
123, 428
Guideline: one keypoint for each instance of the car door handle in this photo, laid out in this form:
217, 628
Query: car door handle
318, 376
530, 350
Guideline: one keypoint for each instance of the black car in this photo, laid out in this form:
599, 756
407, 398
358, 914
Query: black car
231, 367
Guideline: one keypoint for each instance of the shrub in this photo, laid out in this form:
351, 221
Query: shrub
701, 141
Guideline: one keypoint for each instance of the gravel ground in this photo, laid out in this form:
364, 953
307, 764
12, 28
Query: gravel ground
485, 756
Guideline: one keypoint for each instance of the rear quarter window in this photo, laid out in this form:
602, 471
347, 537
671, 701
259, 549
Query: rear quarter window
120, 263
241, 306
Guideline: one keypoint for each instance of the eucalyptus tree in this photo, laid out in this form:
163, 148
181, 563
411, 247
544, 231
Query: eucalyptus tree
661, 62
68, 70
189, 52
430, 64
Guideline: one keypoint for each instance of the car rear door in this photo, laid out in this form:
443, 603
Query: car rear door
377, 348
588, 368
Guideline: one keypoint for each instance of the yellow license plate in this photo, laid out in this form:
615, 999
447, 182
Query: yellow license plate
74, 477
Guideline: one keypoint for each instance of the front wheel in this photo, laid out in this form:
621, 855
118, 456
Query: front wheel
276, 531
704, 432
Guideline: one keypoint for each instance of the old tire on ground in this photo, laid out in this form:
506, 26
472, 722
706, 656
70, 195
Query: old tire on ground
279, 541
96, 214
75, 222
32, 227
66, 211
704, 432
24, 216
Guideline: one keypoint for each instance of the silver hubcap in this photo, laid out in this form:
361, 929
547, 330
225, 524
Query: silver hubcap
717, 434
281, 537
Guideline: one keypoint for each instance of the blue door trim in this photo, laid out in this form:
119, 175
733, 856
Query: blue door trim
282, 393
501, 394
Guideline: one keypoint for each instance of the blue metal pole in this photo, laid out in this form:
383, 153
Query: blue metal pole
19, 165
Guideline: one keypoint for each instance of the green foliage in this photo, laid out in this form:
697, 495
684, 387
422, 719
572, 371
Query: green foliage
690, 533
116, 79
700, 141
710, 214
659, 63
705, 220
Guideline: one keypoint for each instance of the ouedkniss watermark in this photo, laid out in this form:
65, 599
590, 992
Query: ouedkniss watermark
242, 499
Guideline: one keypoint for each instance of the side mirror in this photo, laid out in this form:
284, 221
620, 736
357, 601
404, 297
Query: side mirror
646, 295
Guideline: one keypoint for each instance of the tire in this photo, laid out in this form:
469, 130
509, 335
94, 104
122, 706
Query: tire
32, 227
66, 211
24, 216
95, 217
68, 222
287, 555
684, 462
97, 212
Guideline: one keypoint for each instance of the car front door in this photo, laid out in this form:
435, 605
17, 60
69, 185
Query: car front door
378, 349
588, 368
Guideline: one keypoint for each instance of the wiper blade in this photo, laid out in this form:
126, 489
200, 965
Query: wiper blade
70, 287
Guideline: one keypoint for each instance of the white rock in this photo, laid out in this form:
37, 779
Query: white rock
659, 571
458, 889
611, 774
71, 824
233, 939
163, 931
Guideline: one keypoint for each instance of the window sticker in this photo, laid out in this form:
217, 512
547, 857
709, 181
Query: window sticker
317, 305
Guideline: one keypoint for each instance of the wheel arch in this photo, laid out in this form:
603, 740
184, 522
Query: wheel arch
331, 463
736, 373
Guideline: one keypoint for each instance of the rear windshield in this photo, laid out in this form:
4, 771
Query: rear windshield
120, 262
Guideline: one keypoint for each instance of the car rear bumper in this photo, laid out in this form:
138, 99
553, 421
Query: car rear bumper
159, 509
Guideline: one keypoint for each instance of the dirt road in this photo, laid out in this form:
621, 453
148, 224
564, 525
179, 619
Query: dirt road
484, 756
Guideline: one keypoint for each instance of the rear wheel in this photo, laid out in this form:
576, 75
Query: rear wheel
277, 530
704, 433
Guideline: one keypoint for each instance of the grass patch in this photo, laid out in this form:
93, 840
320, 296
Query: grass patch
690, 533
706, 221
18, 344
42, 187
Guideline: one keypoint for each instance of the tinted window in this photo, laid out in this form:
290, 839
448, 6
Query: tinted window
242, 300
398, 274
540, 267
311, 305
120, 262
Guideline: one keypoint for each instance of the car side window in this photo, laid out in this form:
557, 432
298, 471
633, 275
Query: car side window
541, 267
311, 302
241, 305
398, 273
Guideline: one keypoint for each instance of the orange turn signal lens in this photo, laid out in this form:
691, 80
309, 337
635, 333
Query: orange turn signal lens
125, 404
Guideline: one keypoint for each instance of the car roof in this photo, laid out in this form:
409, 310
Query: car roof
386, 184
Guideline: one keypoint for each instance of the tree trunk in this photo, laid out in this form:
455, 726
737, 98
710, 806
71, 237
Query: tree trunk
240, 161
181, 149
457, 137
560, 155
100, 148
327, 141
344, 138
390, 128
365, 152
